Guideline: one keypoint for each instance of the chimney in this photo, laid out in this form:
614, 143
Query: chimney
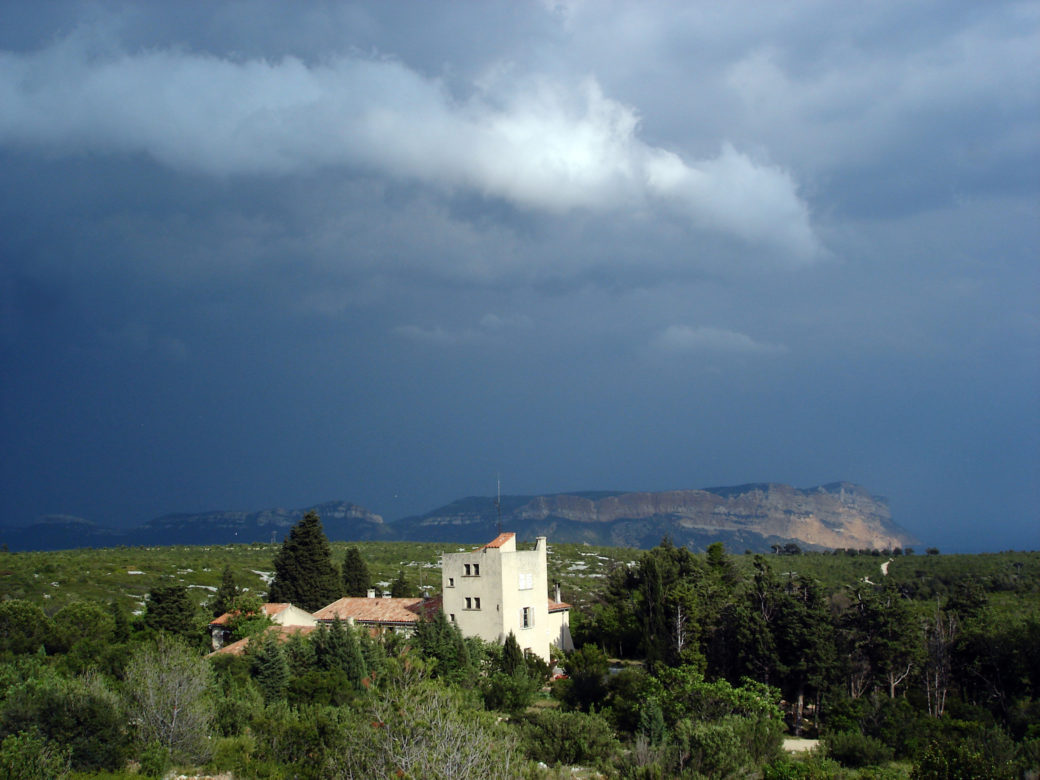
371, 593
557, 598
539, 543
386, 594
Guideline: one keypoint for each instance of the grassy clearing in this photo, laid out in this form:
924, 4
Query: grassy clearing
126, 574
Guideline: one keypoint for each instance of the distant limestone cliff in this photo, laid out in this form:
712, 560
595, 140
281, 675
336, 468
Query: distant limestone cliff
748, 517
745, 517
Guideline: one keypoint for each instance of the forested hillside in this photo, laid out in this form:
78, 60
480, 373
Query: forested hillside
688, 665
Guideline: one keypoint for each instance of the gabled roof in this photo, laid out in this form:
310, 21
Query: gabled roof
281, 633
378, 610
270, 609
499, 540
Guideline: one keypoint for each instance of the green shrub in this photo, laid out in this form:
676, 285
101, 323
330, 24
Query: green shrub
556, 737
966, 750
155, 760
508, 692
80, 714
850, 748
711, 749
29, 756
234, 754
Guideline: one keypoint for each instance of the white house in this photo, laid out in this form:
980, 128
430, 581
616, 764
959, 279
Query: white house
496, 589
280, 614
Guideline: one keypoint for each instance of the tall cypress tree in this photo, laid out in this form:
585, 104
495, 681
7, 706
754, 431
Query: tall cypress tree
269, 667
356, 579
226, 593
304, 573
512, 656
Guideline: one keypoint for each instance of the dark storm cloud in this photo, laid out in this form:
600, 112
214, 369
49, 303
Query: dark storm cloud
257, 255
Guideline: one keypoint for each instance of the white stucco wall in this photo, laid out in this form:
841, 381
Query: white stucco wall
509, 581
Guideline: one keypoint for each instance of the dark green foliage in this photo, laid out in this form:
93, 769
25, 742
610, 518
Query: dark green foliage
79, 623
29, 756
336, 648
305, 738
400, 587
440, 641
80, 714
812, 767
304, 574
331, 687
626, 697
23, 627
512, 656
711, 749
356, 579
247, 617
120, 623
586, 669
268, 666
170, 609
155, 760
966, 751
568, 738
508, 692
237, 697
851, 748
226, 593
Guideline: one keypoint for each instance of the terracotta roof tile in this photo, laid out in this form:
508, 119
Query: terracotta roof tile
281, 633
558, 606
270, 609
376, 610
499, 540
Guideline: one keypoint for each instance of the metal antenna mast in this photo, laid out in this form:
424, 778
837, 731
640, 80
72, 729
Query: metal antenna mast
498, 503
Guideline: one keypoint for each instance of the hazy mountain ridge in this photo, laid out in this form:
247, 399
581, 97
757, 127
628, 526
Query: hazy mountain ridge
341, 519
753, 516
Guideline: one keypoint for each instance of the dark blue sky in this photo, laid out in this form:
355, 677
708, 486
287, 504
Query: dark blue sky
260, 255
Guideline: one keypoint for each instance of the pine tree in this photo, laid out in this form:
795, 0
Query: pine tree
356, 579
171, 609
400, 587
269, 668
304, 573
226, 593
438, 640
513, 656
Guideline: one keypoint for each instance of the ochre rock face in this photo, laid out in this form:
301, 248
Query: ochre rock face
837, 515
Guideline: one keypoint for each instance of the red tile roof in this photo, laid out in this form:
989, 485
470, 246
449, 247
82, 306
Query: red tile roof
378, 610
270, 609
281, 633
558, 606
499, 540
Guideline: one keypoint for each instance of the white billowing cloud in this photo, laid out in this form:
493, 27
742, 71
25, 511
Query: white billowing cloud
537, 143
716, 341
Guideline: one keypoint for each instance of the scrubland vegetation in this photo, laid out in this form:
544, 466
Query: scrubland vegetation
688, 665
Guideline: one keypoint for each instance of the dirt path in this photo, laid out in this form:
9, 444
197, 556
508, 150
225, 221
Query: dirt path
799, 744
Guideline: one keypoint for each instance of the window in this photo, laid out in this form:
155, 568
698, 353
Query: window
476, 569
469, 603
467, 569
451, 617
476, 603
526, 618
525, 581
451, 582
